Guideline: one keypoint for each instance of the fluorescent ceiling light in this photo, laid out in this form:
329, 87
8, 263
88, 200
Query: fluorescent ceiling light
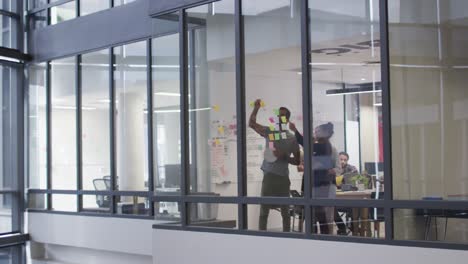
178, 111
348, 91
66, 107
168, 94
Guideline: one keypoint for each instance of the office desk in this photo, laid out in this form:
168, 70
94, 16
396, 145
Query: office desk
360, 216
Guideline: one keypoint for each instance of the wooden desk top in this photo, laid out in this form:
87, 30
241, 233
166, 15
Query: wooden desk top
366, 194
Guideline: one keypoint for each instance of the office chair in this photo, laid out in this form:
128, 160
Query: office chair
103, 201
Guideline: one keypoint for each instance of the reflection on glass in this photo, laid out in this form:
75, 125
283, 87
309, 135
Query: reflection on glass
9, 82
95, 113
273, 96
213, 215
37, 118
63, 119
64, 202
62, 13
92, 6
9, 28
212, 104
38, 20
347, 107
96, 203
132, 205
276, 218
9, 5
431, 225
122, 2
37, 3
166, 109
167, 213
429, 99
6, 214
131, 116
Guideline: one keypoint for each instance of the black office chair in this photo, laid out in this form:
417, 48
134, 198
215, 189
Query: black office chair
103, 201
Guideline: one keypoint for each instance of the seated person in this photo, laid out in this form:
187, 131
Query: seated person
345, 167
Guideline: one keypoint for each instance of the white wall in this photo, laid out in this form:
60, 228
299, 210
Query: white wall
71, 235
210, 248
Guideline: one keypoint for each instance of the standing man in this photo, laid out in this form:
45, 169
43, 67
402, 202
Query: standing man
277, 157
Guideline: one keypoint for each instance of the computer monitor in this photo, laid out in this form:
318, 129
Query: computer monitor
370, 167
173, 175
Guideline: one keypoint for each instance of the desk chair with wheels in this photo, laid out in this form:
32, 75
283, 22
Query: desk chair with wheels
103, 201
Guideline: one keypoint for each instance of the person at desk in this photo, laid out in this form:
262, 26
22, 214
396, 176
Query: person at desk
343, 169
275, 166
325, 163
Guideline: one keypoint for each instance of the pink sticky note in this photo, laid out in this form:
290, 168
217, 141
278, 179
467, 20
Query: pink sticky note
272, 120
272, 145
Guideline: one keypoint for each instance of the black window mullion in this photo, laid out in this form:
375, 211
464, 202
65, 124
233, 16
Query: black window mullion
184, 125
49, 133
78, 9
240, 114
386, 116
149, 103
306, 109
79, 146
113, 170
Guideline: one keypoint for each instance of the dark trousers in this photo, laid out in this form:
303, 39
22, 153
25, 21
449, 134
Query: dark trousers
275, 186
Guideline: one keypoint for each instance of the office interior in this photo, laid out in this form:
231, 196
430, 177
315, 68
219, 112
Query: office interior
428, 112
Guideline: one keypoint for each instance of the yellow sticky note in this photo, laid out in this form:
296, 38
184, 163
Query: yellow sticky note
271, 137
217, 142
216, 108
284, 120
221, 129
272, 128
262, 104
252, 104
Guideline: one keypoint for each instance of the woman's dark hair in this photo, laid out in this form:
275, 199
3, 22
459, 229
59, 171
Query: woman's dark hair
288, 113
328, 129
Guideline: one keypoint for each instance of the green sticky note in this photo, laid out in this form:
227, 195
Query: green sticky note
272, 127
284, 120
276, 111
277, 136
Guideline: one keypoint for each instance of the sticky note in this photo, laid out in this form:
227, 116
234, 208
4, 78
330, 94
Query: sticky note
217, 142
283, 135
252, 104
272, 145
272, 128
277, 136
260, 147
277, 127
271, 119
284, 120
276, 111
216, 108
271, 137
262, 104
221, 129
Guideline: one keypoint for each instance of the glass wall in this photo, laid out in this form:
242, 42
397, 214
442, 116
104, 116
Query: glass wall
62, 12
429, 115
63, 124
37, 120
130, 114
95, 124
212, 99
318, 109
165, 68
92, 6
